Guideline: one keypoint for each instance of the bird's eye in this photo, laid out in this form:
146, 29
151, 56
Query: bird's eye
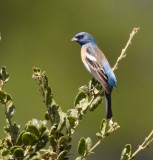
80, 36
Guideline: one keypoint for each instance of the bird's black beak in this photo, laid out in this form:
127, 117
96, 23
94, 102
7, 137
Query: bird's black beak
74, 39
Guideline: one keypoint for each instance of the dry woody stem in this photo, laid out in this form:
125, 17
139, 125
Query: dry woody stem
123, 53
145, 144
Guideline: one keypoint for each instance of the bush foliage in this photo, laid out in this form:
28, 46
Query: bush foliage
50, 139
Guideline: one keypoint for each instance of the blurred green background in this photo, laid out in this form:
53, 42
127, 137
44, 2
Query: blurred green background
37, 33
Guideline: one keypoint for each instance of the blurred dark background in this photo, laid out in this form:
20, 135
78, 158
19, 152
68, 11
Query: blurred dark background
37, 34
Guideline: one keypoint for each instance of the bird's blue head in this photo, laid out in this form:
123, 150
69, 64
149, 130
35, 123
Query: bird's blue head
83, 38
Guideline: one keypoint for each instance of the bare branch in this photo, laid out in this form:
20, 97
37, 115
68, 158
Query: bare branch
145, 144
123, 53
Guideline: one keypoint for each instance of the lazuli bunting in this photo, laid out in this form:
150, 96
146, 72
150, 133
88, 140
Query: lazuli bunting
96, 63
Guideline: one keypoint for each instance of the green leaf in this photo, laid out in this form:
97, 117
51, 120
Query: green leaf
72, 119
7, 142
68, 126
95, 103
103, 126
32, 129
82, 146
79, 97
84, 89
48, 96
42, 142
81, 103
46, 116
18, 153
53, 142
62, 121
7, 129
29, 138
19, 138
10, 108
62, 140
45, 81
73, 113
88, 143
94, 84
5, 152
4, 76
4, 97
15, 128
126, 153
62, 155
39, 125
42, 130
54, 112
53, 129
71, 123
14, 147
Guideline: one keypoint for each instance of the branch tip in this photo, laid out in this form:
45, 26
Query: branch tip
123, 52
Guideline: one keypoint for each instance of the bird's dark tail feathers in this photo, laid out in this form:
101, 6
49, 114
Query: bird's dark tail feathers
109, 113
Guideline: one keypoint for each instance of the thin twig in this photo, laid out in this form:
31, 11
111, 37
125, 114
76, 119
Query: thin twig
123, 53
145, 144
111, 129
97, 144
114, 127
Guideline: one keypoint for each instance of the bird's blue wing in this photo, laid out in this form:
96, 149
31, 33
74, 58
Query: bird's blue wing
110, 74
100, 68
97, 70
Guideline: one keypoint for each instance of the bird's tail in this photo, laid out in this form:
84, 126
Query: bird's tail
109, 113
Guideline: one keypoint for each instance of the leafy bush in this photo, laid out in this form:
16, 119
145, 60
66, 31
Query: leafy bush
37, 140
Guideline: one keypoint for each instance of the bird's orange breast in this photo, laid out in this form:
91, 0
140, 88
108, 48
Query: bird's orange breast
83, 53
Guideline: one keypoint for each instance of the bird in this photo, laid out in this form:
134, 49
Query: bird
97, 64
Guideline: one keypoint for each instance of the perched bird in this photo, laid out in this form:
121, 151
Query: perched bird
96, 63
